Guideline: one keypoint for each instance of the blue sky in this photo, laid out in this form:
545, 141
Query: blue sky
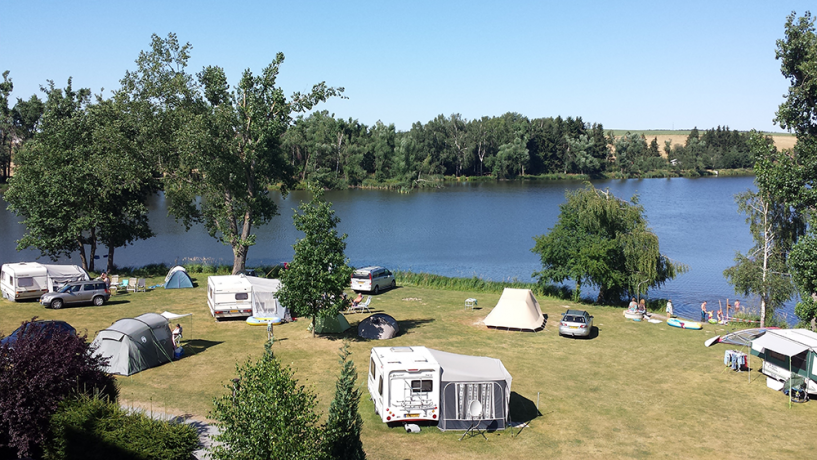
627, 64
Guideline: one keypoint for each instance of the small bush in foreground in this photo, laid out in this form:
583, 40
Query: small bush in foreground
94, 428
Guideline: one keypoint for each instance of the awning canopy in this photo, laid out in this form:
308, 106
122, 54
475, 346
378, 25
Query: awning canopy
778, 344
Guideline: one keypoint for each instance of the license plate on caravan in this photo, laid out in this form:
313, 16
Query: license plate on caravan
412, 415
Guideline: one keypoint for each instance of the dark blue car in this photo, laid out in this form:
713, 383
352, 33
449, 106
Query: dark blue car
48, 327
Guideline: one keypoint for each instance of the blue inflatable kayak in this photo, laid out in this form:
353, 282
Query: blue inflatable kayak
684, 324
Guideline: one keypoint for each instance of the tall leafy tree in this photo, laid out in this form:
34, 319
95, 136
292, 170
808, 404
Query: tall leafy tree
763, 271
6, 125
217, 149
313, 285
603, 241
77, 184
791, 176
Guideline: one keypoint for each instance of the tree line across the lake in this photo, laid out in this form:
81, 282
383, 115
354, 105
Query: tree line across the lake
84, 165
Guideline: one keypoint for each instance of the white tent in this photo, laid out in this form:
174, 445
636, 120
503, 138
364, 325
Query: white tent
517, 309
264, 302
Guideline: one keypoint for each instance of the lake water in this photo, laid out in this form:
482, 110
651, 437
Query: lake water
484, 230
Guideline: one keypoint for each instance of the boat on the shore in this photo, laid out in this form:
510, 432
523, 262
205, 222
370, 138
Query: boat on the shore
263, 321
634, 314
684, 324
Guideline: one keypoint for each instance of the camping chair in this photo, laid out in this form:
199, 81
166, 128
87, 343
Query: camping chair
361, 307
131, 285
140, 285
114, 284
475, 410
123, 285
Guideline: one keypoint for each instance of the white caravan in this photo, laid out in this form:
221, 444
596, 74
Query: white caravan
231, 296
30, 280
404, 383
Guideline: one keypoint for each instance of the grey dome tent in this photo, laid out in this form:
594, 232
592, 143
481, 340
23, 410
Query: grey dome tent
464, 379
177, 278
135, 344
379, 326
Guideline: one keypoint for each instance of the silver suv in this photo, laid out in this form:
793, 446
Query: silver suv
372, 279
94, 291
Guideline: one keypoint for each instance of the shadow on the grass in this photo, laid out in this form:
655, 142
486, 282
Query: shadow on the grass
196, 346
522, 409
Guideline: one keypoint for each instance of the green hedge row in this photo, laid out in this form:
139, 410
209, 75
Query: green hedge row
93, 428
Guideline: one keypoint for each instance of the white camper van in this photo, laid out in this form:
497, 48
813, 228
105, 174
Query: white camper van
30, 280
404, 383
230, 296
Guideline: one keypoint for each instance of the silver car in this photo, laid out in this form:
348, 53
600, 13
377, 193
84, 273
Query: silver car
576, 323
372, 279
94, 291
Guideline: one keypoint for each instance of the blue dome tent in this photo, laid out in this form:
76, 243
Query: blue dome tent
177, 278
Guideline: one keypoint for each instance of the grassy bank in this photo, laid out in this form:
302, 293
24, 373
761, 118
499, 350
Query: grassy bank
633, 390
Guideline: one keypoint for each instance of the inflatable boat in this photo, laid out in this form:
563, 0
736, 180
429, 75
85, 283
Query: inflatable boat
684, 324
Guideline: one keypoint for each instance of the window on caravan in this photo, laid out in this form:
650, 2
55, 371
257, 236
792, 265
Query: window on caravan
242, 296
25, 281
380, 386
371, 367
422, 386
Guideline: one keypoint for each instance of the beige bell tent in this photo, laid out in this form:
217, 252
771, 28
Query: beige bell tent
517, 309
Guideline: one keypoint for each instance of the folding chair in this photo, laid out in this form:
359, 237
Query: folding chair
475, 410
114, 284
131, 286
361, 307
140, 285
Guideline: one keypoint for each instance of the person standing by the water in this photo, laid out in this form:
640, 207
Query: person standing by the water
703, 312
669, 308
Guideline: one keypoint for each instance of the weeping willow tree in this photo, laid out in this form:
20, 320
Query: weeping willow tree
604, 242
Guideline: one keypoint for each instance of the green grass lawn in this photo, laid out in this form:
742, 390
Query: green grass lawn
632, 390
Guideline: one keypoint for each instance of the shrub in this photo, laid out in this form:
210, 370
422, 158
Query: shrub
96, 428
266, 414
37, 372
343, 427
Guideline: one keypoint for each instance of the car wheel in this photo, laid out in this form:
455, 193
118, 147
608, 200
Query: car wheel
376, 289
393, 284
99, 300
56, 304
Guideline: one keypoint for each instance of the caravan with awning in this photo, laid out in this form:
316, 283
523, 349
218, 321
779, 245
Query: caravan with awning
788, 354
460, 392
30, 280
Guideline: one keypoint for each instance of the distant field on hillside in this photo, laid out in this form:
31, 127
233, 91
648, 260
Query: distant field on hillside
781, 140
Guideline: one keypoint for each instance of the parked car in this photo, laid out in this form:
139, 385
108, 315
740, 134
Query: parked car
39, 327
576, 323
372, 279
94, 291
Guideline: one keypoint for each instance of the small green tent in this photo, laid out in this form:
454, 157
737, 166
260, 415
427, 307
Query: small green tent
331, 325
